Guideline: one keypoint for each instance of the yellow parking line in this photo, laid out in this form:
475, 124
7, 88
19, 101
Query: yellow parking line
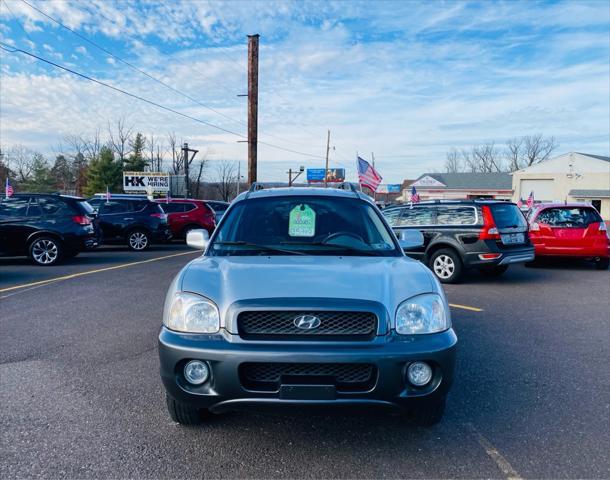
466, 307
89, 272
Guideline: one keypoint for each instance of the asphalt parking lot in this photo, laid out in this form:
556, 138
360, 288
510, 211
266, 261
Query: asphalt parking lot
80, 394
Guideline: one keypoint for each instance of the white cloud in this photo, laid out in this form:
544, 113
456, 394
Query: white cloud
407, 82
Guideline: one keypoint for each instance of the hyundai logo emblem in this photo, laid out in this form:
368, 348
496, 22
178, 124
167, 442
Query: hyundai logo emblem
307, 322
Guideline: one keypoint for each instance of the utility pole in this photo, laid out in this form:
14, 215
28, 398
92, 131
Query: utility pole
326, 169
373, 159
252, 106
238, 175
185, 155
291, 171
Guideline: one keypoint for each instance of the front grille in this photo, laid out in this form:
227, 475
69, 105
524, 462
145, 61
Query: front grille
281, 324
345, 376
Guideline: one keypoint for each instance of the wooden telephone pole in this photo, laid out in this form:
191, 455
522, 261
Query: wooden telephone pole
252, 106
326, 169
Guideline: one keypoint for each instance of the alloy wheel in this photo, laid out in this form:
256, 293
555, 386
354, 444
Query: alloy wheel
443, 266
45, 251
138, 240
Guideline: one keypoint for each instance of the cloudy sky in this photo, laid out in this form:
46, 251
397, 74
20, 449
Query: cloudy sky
406, 80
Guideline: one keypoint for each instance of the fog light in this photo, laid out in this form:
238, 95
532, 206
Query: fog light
196, 372
419, 373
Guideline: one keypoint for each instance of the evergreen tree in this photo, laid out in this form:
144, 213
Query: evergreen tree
136, 161
104, 171
41, 180
62, 174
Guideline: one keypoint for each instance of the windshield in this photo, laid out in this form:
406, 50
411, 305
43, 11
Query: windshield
577, 217
303, 225
508, 215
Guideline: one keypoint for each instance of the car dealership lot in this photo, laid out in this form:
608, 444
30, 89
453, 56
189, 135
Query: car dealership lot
81, 396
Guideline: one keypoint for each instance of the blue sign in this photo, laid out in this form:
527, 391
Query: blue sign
335, 175
315, 174
394, 188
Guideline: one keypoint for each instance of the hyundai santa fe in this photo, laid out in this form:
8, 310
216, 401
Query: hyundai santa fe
303, 297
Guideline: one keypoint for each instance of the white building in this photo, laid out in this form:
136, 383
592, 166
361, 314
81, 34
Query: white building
571, 177
449, 186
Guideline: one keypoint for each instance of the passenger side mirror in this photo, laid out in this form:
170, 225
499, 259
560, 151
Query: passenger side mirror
197, 238
410, 239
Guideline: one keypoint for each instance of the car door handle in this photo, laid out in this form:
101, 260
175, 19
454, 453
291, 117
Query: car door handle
127, 218
184, 216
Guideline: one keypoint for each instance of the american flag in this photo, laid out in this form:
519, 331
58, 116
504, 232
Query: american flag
519, 203
367, 175
530, 200
8, 189
414, 196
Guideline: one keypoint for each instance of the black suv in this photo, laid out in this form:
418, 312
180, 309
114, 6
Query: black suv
45, 227
461, 234
134, 220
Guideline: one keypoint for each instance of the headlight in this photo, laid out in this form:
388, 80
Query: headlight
422, 314
188, 312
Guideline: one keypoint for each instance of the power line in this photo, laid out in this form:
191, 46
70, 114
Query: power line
12, 49
161, 82
91, 42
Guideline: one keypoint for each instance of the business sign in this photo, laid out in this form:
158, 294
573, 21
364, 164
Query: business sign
428, 181
145, 182
389, 188
316, 175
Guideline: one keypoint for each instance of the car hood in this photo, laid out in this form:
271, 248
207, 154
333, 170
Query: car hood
386, 280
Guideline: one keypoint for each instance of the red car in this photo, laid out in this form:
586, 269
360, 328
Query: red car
184, 214
571, 229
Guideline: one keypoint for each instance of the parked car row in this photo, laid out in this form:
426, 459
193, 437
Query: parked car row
491, 235
51, 227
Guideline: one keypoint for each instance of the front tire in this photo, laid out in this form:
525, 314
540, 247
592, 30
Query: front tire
45, 251
446, 265
138, 240
183, 413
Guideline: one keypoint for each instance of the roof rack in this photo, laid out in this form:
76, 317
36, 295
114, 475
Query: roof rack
253, 188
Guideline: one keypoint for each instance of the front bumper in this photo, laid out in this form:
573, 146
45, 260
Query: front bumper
162, 235
224, 391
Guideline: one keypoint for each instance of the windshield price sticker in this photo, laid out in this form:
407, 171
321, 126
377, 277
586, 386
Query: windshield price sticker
302, 222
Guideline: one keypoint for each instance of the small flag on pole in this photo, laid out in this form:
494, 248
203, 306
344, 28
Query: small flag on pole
367, 175
414, 196
530, 200
8, 189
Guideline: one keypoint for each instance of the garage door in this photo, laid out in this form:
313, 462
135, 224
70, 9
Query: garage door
543, 189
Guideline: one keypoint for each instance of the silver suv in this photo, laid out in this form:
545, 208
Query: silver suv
303, 297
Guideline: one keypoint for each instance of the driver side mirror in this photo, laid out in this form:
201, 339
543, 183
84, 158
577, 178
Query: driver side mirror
198, 238
410, 239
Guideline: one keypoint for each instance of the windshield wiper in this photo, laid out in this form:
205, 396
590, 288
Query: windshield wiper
265, 248
335, 246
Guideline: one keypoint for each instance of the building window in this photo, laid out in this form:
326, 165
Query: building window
597, 205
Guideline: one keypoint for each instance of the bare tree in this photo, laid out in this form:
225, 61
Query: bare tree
514, 152
226, 178
485, 159
20, 161
175, 152
120, 140
537, 149
453, 164
155, 155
